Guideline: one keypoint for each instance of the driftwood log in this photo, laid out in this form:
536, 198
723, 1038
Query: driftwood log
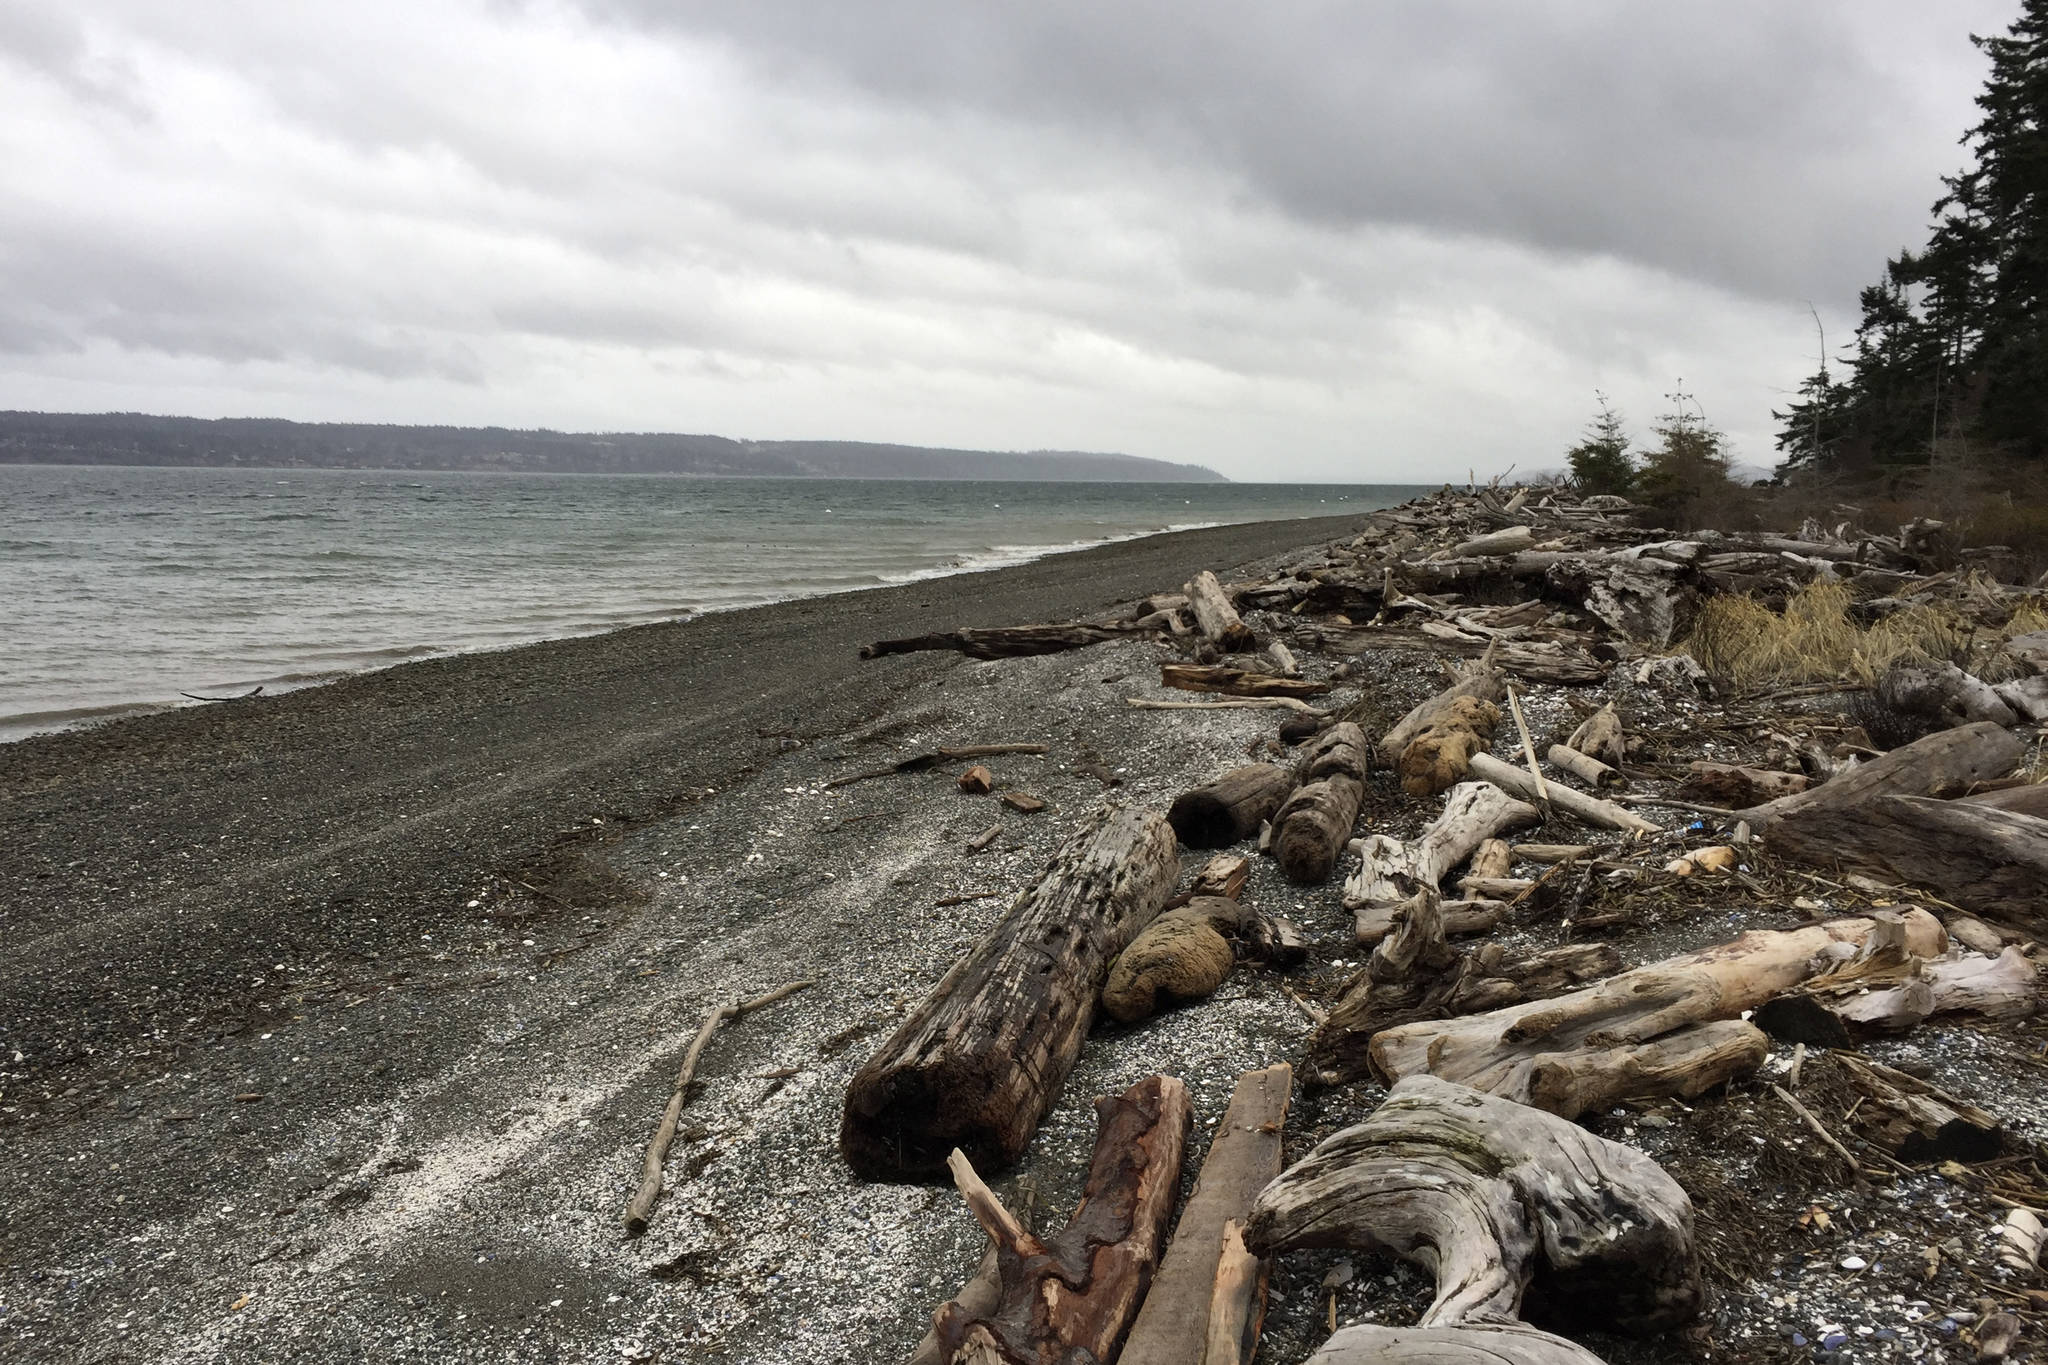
1487, 1195
1230, 809
1942, 694
1313, 824
1890, 991
1600, 736
1479, 680
1736, 786
1243, 1158
1237, 682
1001, 642
1215, 618
1591, 810
1916, 1121
1585, 767
1946, 764
1666, 1028
1989, 861
1067, 1299
1184, 954
1437, 759
1468, 1343
978, 1064
1390, 871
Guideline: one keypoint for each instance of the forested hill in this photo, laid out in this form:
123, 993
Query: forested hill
121, 438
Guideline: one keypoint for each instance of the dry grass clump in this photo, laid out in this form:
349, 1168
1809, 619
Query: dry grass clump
1745, 645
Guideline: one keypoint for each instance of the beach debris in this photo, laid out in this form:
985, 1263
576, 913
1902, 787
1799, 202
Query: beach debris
1182, 955
1584, 767
1236, 681
641, 1206
1438, 758
980, 1061
255, 691
1203, 1295
985, 838
1529, 786
1915, 1120
1071, 1296
1314, 822
977, 781
1235, 704
1231, 808
1024, 803
1738, 785
1600, 736
1005, 642
1390, 871
1215, 618
933, 758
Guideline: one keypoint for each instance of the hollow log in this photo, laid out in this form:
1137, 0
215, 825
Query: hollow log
1488, 1194
1470, 1343
1390, 871
1236, 682
1215, 618
1600, 736
1243, 1158
980, 1061
1000, 642
1481, 681
1945, 764
1068, 1299
1313, 824
1737, 786
1590, 810
1230, 809
1585, 767
1988, 861
1917, 1121
1436, 759
1551, 1052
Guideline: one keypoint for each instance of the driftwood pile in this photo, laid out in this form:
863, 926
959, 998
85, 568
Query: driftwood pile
1432, 832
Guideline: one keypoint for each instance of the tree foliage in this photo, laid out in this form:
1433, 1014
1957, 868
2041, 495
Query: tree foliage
1685, 477
1601, 463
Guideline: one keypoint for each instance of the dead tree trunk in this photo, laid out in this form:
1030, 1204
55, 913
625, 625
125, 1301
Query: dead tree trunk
1945, 764
1236, 682
1215, 617
1655, 1026
1915, 1121
1488, 1194
978, 1064
1314, 823
1243, 1158
1989, 861
1000, 642
1230, 809
1068, 1299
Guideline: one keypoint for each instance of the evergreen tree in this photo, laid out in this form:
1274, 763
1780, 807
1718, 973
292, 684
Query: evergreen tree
1601, 463
1687, 473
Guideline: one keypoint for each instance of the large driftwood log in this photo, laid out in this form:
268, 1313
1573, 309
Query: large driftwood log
1243, 1158
1236, 682
1589, 809
1000, 642
1215, 617
1945, 764
1068, 1299
978, 1064
1230, 809
1390, 871
1488, 1194
1890, 991
1989, 861
1737, 786
2028, 798
1916, 1121
1480, 680
1469, 1343
1313, 824
1658, 1025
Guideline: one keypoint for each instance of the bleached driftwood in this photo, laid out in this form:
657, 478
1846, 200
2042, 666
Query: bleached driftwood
1389, 871
1891, 992
1215, 617
1585, 767
1479, 680
1945, 764
1600, 736
1589, 809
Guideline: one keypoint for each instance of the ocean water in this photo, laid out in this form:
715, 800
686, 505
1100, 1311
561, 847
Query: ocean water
122, 588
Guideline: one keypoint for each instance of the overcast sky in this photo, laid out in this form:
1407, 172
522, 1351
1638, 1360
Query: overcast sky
1345, 241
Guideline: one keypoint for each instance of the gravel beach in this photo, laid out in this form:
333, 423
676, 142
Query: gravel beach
332, 1024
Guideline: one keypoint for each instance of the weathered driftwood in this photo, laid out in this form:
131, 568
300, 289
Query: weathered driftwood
1671, 1023
1237, 1302
1437, 759
1468, 1343
1892, 991
1223, 875
1736, 786
1174, 1325
1234, 704
1512, 540
1236, 682
1069, 1298
1989, 861
1480, 680
1001, 642
1462, 919
1552, 853
981, 1060
1488, 1195
1590, 810
2020, 1240
2025, 798
1215, 618
1390, 871
1916, 1121
1184, 954
1283, 660
1585, 767
1942, 694
978, 1298
920, 762
1313, 824
1600, 736
1491, 862
1946, 764
1230, 809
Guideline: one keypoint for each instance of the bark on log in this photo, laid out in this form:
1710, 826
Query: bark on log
1488, 1194
1945, 764
1230, 809
1470, 1343
1916, 1121
1550, 1052
1585, 767
1436, 759
1600, 736
1736, 786
978, 1064
1587, 809
1236, 682
1000, 642
1067, 1299
1988, 861
1482, 681
1215, 618
1313, 824
1390, 871
1243, 1158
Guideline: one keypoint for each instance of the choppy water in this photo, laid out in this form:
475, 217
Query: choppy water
121, 588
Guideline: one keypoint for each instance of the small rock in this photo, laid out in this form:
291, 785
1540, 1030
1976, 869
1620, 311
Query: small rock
1853, 1263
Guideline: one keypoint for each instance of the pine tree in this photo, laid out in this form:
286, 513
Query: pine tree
1601, 463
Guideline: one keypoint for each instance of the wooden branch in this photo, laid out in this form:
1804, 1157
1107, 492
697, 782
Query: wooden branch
1737, 786
919, 762
1585, 767
1313, 824
642, 1203
1390, 871
1230, 809
981, 1060
1236, 681
1240, 704
1587, 809
1001, 642
1487, 1194
1512, 1051
1069, 1298
1243, 1158
1215, 617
